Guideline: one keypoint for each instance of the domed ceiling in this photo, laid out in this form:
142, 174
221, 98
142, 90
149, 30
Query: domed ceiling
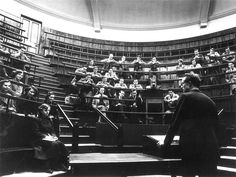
136, 14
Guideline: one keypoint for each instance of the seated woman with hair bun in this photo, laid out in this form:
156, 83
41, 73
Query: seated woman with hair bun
50, 100
46, 143
25, 107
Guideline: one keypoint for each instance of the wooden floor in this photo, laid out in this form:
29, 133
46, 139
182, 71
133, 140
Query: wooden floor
114, 158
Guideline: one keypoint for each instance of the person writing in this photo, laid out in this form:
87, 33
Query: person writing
195, 119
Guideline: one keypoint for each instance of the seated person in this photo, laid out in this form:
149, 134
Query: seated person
46, 144
104, 83
228, 56
21, 56
138, 66
121, 84
54, 112
109, 62
214, 57
171, 100
199, 58
17, 77
87, 80
180, 74
111, 75
5, 88
120, 106
152, 82
79, 73
123, 66
136, 106
2, 50
135, 85
101, 102
86, 91
180, 65
195, 64
95, 72
154, 64
26, 107
90, 66
231, 77
3, 54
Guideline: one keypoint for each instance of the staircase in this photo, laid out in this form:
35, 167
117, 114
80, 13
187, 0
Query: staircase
51, 82
227, 164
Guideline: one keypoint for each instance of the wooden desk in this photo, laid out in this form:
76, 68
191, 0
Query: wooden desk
154, 100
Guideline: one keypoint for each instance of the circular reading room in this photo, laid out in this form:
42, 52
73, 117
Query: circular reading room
118, 88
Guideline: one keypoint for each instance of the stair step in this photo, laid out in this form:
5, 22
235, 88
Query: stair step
85, 147
55, 88
91, 131
226, 171
228, 151
233, 142
228, 161
82, 139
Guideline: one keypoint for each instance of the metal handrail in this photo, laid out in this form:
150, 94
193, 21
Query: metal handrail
65, 116
114, 126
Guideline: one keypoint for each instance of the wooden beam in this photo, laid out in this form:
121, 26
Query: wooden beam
204, 12
93, 5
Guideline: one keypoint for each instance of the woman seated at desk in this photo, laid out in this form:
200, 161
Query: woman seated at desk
46, 144
25, 107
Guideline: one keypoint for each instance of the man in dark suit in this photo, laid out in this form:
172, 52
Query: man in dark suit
195, 119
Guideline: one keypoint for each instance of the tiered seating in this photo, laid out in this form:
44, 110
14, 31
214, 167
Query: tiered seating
67, 53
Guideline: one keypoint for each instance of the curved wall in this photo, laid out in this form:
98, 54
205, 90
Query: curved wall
62, 23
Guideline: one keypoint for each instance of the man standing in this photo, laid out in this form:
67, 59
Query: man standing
195, 119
